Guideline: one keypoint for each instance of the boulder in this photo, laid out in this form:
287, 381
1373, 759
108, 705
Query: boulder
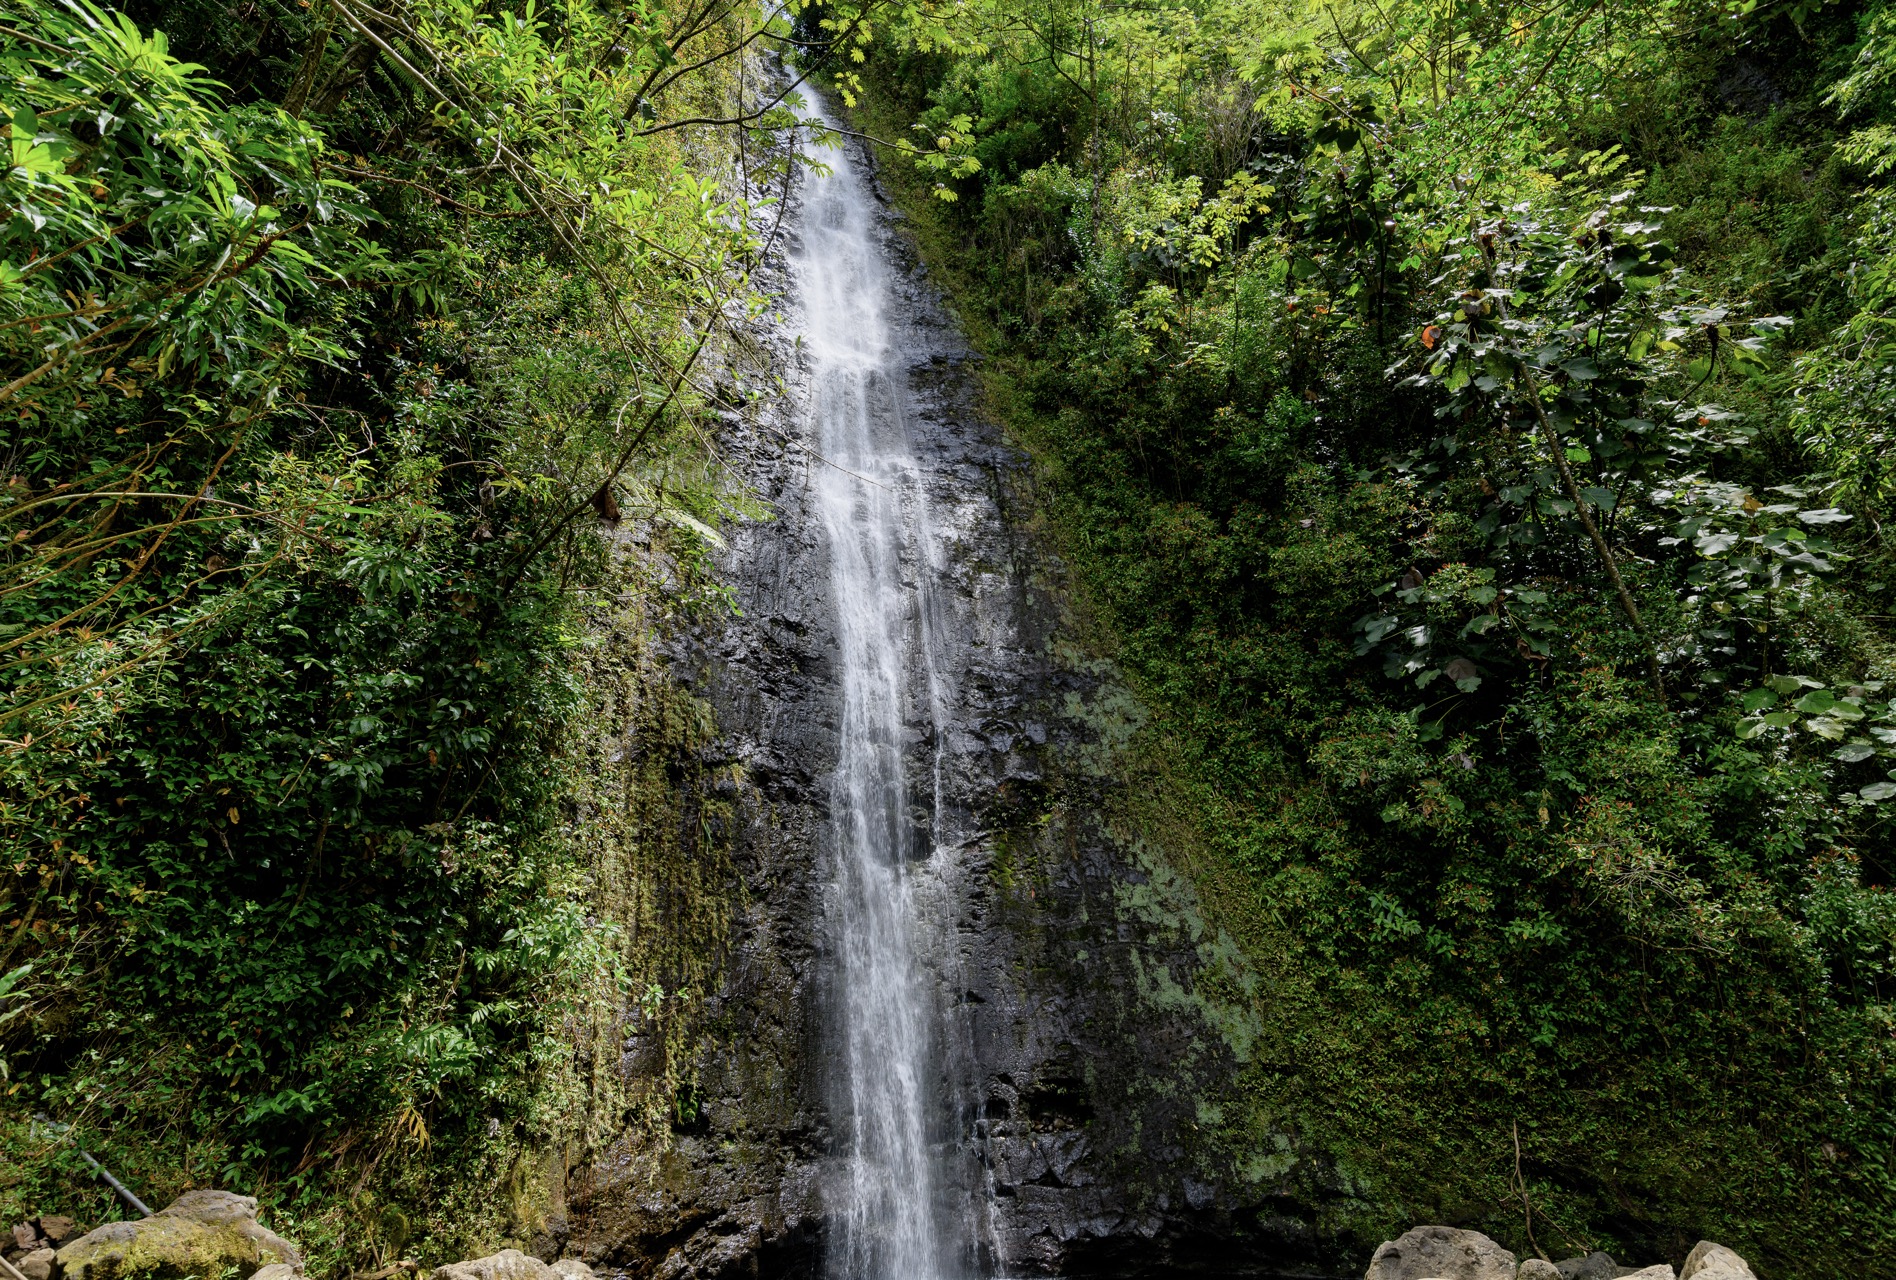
1595, 1266
1709, 1261
1662, 1271
37, 1265
1538, 1269
1441, 1253
572, 1269
201, 1233
508, 1264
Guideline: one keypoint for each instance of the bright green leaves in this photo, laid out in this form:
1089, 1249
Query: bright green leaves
160, 250
1170, 223
34, 160
1857, 718
1756, 566
951, 154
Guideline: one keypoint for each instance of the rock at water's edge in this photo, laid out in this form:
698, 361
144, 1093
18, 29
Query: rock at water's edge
1711, 1261
1441, 1253
201, 1233
1595, 1266
508, 1264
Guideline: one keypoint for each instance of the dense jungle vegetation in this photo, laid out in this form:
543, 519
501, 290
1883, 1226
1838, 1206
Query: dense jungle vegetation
1467, 420
337, 343
1470, 420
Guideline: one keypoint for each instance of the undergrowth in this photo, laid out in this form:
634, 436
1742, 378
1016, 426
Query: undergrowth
1570, 902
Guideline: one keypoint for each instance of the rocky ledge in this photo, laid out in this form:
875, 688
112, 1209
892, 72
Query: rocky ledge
1445, 1253
214, 1235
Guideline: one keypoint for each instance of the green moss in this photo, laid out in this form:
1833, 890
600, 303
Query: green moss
165, 1247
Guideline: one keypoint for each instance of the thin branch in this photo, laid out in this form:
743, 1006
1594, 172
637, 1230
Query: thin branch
441, 196
40, 264
21, 35
1530, 387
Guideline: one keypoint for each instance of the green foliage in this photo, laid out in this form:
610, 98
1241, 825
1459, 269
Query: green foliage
323, 413
1511, 577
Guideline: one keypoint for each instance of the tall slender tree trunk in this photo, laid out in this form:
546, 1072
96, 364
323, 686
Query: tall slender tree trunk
296, 101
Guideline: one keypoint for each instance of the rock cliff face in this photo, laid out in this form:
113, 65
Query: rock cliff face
1081, 1051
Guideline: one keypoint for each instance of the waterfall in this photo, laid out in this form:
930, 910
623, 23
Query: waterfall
896, 1219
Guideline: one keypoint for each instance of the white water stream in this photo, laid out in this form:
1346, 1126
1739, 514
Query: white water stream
898, 1218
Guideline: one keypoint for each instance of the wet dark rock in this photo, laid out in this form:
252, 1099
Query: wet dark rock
1076, 1050
1594, 1266
1746, 88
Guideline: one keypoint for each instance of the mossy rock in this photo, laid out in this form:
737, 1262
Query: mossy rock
203, 1233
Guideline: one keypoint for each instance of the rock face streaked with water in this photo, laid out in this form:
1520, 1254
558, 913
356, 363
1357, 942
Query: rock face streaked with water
963, 1028
894, 1214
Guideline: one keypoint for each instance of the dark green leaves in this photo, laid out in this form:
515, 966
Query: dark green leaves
1856, 717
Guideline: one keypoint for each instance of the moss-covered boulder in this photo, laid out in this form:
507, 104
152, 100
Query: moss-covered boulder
202, 1233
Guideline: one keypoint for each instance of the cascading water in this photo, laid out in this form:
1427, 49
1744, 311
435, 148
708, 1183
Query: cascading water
896, 1220
943, 951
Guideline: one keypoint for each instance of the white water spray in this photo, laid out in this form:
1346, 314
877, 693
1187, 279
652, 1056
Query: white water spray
894, 1222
